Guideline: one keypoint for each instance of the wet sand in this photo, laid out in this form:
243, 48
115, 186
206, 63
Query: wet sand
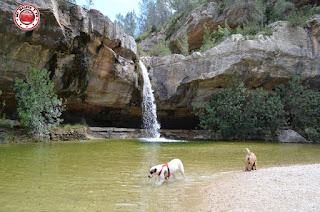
292, 188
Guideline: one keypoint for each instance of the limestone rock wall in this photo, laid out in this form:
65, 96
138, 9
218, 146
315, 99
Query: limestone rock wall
181, 82
92, 60
211, 15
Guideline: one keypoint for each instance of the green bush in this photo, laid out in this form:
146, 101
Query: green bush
174, 24
5, 65
267, 31
221, 7
39, 108
161, 49
301, 16
281, 8
240, 114
3, 140
249, 28
5, 59
237, 113
154, 28
2, 104
183, 43
143, 36
70, 127
210, 40
302, 105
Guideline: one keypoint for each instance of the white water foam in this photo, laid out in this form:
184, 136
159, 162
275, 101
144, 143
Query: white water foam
149, 111
149, 108
160, 140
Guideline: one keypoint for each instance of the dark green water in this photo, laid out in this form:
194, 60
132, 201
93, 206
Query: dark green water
111, 175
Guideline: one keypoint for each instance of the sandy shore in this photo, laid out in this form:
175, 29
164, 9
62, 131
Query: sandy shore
293, 188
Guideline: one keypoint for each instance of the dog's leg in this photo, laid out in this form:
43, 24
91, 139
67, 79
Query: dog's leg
182, 172
254, 167
174, 176
250, 166
161, 179
166, 175
181, 168
160, 182
247, 166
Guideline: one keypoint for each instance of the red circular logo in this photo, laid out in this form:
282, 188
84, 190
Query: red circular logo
27, 17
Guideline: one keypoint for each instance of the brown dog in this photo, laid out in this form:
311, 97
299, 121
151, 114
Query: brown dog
251, 161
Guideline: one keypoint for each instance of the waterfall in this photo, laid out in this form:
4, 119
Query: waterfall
149, 108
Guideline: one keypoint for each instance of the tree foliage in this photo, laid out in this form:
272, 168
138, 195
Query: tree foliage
39, 108
302, 105
161, 49
179, 6
210, 40
183, 43
72, 1
301, 16
4, 66
237, 113
128, 23
88, 4
153, 12
281, 8
240, 114
2, 104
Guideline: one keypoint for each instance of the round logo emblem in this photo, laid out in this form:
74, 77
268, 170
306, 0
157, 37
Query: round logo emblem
27, 17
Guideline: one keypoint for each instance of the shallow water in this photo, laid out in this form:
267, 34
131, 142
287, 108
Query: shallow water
111, 175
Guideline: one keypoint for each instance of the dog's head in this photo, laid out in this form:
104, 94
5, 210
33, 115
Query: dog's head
152, 171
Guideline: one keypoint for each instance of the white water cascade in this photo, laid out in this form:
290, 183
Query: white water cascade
149, 108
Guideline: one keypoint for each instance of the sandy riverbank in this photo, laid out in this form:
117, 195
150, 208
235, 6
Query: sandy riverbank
292, 188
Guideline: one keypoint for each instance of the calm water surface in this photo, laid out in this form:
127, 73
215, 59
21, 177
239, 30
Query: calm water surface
111, 175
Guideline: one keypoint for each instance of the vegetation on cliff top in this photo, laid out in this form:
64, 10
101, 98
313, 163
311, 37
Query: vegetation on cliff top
171, 15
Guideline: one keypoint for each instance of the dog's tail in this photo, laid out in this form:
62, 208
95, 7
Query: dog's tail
248, 150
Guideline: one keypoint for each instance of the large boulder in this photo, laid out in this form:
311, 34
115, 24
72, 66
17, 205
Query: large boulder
180, 82
291, 136
90, 58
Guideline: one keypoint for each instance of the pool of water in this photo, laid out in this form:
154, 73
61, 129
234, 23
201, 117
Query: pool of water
111, 175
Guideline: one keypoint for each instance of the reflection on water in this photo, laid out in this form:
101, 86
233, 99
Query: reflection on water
111, 175
160, 140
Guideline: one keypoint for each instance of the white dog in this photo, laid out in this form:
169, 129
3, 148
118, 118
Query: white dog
166, 170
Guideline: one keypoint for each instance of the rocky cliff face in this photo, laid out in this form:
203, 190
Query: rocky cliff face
211, 15
91, 59
92, 62
183, 82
